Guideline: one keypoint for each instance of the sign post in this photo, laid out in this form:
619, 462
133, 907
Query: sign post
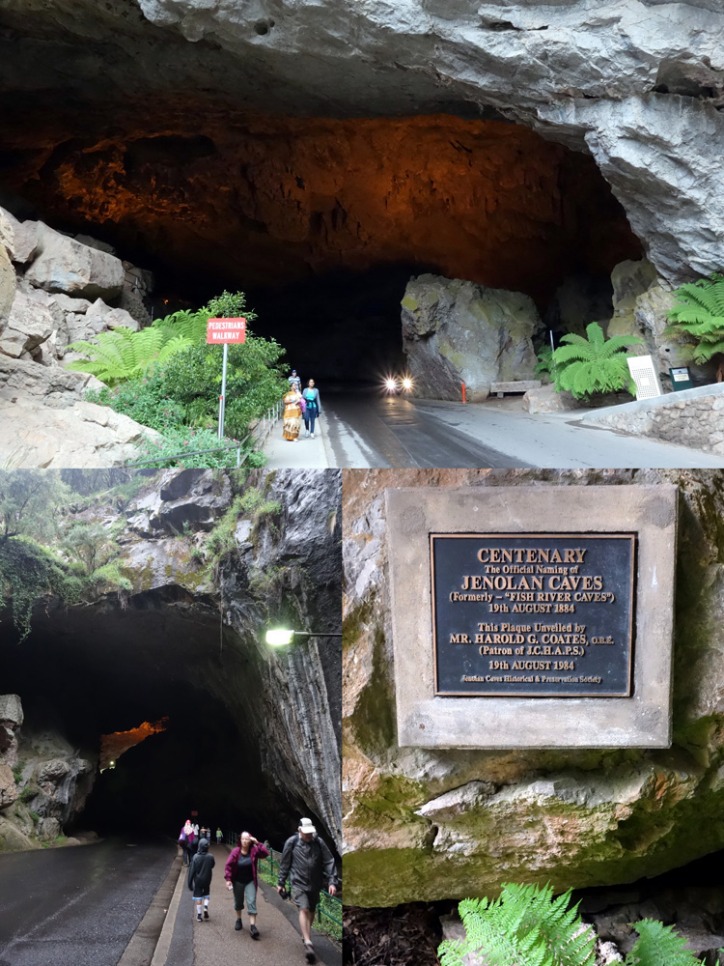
224, 331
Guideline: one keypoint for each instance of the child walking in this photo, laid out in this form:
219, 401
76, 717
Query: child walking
200, 872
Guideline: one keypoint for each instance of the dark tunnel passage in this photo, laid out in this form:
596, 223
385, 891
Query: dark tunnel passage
86, 672
321, 221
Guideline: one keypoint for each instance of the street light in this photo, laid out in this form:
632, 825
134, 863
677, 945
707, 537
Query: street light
282, 637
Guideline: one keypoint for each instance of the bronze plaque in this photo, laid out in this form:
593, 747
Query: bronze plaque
533, 615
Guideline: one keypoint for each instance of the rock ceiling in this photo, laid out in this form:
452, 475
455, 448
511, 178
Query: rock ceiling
218, 144
274, 140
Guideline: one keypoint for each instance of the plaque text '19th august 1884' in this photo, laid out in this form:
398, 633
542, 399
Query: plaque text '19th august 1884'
533, 615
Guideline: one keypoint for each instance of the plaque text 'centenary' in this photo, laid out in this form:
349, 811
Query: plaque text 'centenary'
534, 615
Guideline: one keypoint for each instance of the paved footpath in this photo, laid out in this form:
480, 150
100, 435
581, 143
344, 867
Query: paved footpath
215, 942
303, 453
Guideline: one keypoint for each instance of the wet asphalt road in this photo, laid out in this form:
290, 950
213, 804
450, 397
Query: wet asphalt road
367, 429
77, 906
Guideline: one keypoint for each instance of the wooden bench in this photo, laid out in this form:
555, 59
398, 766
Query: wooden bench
523, 385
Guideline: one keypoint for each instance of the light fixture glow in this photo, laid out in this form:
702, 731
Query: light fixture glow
279, 637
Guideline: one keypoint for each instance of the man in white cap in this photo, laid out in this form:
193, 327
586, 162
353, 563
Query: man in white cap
307, 862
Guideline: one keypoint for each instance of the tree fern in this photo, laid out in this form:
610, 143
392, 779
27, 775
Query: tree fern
121, 353
524, 926
591, 364
189, 325
699, 313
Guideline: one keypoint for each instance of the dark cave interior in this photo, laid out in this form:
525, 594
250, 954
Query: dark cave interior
321, 220
86, 672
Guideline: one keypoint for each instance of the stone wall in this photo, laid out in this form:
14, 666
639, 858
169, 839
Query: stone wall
689, 417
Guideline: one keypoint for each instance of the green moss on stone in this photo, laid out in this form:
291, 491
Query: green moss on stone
353, 623
374, 718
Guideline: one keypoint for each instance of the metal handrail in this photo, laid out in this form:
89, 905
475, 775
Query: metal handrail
194, 452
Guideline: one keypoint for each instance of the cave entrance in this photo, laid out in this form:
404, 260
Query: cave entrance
322, 220
87, 672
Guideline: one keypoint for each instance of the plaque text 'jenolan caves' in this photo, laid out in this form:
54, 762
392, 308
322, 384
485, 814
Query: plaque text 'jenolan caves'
533, 615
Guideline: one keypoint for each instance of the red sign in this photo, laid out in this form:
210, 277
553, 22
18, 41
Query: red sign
225, 330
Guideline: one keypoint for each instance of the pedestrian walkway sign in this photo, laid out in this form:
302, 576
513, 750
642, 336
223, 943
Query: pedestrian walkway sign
223, 332
219, 331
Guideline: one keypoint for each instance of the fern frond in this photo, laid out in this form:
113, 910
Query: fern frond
659, 945
525, 926
699, 313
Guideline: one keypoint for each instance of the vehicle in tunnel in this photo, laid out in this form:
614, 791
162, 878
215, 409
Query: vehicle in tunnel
398, 384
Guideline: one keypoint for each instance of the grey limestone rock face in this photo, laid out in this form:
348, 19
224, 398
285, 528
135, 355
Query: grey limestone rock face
456, 332
65, 265
43, 308
637, 83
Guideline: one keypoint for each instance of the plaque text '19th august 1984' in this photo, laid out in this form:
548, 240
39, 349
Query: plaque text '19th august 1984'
533, 615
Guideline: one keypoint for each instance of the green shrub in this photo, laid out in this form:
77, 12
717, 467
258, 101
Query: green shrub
170, 388
593, 364
143, 400
545, 366
28, 794
120, 354
699, 313
193, 380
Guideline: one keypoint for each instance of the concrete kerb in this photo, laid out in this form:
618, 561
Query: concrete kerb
160, 956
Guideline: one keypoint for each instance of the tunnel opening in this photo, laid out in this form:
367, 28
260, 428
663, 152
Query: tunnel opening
322, 221
86, 672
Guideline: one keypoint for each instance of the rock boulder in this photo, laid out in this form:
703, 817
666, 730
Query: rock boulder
456, 332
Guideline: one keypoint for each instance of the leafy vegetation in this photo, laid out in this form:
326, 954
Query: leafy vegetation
45, 551
121, 353
188, 447
527, 926
170, 380
699, 313
253, 505
545, 366
592, 363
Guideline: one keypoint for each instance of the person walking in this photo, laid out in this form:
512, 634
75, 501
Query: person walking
186, 841
292, 415
313, 407
200, 872
294, 381
219, 835
241, 876
307, 863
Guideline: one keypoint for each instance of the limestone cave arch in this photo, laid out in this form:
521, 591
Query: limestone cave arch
248, 736
318, 187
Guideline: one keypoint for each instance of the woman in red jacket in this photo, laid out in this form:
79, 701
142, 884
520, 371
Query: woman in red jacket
240, 874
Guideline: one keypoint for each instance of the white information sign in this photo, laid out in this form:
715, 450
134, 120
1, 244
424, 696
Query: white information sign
646, 378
